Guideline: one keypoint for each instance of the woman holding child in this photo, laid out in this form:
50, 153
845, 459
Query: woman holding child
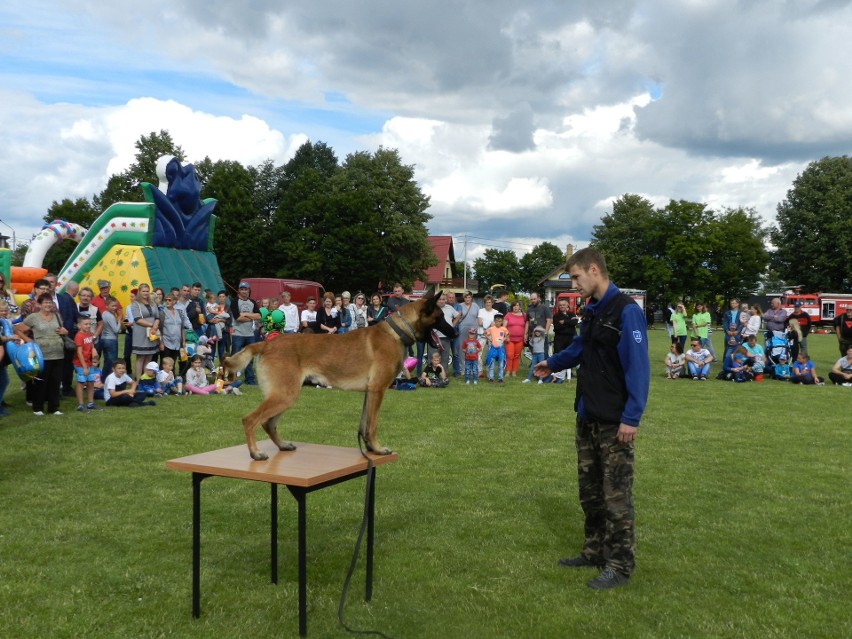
146, 323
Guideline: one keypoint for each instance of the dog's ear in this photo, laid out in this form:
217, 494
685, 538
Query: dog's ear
431, 303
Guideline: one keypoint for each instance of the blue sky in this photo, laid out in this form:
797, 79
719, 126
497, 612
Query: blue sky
523, 122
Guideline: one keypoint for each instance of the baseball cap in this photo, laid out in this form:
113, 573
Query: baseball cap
103, 283
797, 305
152, 366
243, 285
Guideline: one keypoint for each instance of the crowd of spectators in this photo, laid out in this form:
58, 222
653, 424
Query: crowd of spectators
175, 340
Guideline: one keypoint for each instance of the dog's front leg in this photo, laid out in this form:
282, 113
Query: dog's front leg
369, 421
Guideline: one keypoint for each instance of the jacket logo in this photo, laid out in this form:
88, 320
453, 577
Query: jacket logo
637, 335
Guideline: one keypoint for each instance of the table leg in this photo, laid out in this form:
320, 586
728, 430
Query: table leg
371, 508
300, 496
273, 531
196, 543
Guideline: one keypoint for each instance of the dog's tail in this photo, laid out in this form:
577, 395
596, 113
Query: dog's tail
237, 363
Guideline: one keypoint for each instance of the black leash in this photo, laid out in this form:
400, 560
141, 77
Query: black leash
357, 550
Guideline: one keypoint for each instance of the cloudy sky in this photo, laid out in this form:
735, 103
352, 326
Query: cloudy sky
523, 120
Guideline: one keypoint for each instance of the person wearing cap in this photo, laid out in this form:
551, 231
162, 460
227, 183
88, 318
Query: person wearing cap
782, 371
148, 381
471, 347
99, 301
245, 313
612, 391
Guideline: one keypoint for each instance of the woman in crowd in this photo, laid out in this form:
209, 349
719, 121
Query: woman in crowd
516, 323
679, 324
359, 312
172, 325
564, 330
752, 326
376, 312
328, 317
701, 321
158, 298
6, 295
44, 328
341, 305
146, 323
7, 334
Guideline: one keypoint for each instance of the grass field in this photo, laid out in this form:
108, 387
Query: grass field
742, 500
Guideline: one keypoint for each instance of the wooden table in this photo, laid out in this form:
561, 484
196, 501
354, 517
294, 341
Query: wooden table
308, 468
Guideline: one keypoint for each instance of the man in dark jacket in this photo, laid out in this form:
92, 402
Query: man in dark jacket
612, 389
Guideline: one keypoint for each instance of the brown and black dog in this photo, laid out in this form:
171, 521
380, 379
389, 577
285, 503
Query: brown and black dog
365, 360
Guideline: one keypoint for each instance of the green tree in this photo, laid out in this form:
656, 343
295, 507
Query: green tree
738, 255
498, 266
632, 238
238, 239
268, 190
813, 238
686, 250
537, 263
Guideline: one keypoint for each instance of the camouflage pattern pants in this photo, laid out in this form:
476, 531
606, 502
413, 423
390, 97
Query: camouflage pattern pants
605, 479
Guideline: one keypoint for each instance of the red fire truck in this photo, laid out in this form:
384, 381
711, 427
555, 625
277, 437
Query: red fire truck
574, 300
821, 307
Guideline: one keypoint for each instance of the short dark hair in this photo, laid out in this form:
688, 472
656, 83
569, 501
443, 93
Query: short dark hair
584, 258
196, 285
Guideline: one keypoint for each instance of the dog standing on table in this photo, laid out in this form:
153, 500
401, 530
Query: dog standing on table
365, 360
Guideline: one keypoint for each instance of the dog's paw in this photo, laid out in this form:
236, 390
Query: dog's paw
287, 446
259, 456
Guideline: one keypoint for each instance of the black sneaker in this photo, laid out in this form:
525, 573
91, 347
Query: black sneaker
609, 578
580, 561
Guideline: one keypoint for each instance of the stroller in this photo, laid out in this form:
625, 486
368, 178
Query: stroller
777, 345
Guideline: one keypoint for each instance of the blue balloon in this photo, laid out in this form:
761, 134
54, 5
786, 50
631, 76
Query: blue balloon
27, 359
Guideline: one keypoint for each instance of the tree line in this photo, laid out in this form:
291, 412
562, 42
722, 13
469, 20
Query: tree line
362, 222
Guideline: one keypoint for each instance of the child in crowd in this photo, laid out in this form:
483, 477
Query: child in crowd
782, 370
196, 378
108, 343
120, 389
537, 351
804, 371
675, 361
470, 348
85, 358
206, 354
167, 380
497, 335
148, 382
434, 375
227, 383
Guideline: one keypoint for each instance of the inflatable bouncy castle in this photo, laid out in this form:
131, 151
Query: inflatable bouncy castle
165, 241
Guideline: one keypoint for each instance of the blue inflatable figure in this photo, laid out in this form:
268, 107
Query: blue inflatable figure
182, 218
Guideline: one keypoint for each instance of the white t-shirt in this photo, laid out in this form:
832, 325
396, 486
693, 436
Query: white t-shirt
291, 317
487, 317
112, 381
449, 314
844, 365
309, 316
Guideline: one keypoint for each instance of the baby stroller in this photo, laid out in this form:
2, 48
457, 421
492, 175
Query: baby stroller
776, 346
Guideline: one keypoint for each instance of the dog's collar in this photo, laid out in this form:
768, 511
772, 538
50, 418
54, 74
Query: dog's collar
407, 339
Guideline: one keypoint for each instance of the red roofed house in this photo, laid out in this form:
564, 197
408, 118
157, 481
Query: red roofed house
441, 276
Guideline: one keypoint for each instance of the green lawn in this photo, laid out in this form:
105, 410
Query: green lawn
742, 499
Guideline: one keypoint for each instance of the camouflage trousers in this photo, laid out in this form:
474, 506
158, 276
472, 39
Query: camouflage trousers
605, 480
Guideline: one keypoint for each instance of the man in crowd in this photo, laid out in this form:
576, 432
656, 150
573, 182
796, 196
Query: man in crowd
67, 309
775, 317
843, 330
245, 313
538, 315
732, 327
612, 390
104, 293
455, 343
291, 313
195, 307
397, 300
